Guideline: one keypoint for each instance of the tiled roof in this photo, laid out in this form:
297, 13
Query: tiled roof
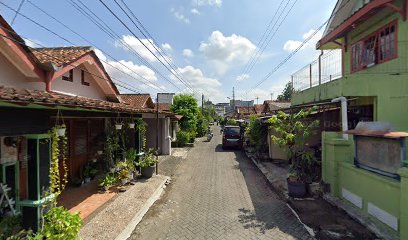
259, 108
59, 56
52, 99
246, 110
138, 100
164, 107
275, 105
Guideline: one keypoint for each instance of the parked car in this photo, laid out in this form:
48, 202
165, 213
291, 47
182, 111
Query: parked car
231, 137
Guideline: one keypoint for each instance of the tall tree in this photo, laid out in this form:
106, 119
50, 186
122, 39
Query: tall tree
187, 106
286, 93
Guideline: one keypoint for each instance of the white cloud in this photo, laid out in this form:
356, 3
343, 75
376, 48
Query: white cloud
210, 86
33, 43
217, 3
166, 47
242, 77
138, 76
224, 51
195, 11
180, 16
140, 48
188, 53
292, 45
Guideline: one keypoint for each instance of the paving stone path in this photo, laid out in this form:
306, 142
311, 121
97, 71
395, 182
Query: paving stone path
218, 194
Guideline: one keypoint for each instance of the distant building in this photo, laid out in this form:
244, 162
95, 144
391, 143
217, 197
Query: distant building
221, 108
166, 97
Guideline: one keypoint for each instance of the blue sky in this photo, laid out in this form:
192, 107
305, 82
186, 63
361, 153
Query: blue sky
209, 41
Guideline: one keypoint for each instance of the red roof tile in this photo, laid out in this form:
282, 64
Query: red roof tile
52, 99
138, 100
59, 56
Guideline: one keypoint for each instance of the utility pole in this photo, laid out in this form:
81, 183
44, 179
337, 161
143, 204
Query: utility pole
157, 133
271, 96
233, 100
257, 98
202, 102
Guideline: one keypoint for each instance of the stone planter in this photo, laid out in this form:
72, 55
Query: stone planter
147, 172
296, 189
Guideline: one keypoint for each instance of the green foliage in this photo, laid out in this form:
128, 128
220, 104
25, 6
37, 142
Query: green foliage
60, 224
9, 226
149, 159
187, 106
183, 138
231, 122
202, 125
291, 131
108, 180
255, 132
286, 93
58, 157
111, 147
140, 126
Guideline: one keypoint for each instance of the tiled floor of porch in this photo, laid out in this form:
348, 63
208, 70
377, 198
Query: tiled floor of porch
85, 199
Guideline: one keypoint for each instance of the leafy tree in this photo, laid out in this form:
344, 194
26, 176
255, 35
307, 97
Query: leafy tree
292, 131
187, 106
256, 133
286, 93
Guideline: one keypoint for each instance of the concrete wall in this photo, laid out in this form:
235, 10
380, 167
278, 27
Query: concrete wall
275, 151
77, 88
384, 200
386, 82
10, 76
164, 133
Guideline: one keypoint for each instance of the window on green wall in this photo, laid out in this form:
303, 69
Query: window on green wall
378, 47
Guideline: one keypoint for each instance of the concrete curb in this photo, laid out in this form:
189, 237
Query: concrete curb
125, 234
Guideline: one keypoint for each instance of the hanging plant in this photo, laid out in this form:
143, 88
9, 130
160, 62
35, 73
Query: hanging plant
60, 125
140, 126
119, 123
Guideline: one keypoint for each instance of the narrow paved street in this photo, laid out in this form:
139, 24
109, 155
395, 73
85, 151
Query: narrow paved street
218, 194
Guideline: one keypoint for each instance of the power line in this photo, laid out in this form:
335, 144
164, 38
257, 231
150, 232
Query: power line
293, 52
109, 55
158, 58
18, 10
111, 33
151, 39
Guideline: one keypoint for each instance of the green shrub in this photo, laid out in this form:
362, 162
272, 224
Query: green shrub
183, 138
231, 122
59, 223
148, 160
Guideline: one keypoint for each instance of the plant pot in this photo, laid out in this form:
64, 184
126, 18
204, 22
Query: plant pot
112, 170
296, 189
87, 179
313, 188
106, 188
147, 172
131, 125
99, 152
118, 126
61, 132
124, 181
131, 176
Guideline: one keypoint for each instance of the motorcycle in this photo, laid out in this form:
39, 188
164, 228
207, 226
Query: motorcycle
209, 136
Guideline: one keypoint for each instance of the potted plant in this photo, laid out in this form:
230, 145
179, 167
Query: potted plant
124, 176
291, 133
132, 125
118, 126
107, 181
147, 164
61, 129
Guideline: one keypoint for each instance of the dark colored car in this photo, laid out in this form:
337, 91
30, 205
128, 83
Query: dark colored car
231, 137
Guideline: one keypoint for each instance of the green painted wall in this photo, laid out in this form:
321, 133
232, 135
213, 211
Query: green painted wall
386, 82
339, 171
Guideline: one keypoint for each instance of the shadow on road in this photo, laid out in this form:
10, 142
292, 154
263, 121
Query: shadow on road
269, 211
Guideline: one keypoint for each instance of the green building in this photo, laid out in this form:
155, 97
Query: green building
364, 59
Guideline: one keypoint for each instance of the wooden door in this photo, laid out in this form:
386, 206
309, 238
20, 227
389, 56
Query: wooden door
78, 147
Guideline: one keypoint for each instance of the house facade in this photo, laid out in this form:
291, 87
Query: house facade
44, 87
364, 64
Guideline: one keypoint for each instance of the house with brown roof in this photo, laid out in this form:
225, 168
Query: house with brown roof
167, 123
44, 87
